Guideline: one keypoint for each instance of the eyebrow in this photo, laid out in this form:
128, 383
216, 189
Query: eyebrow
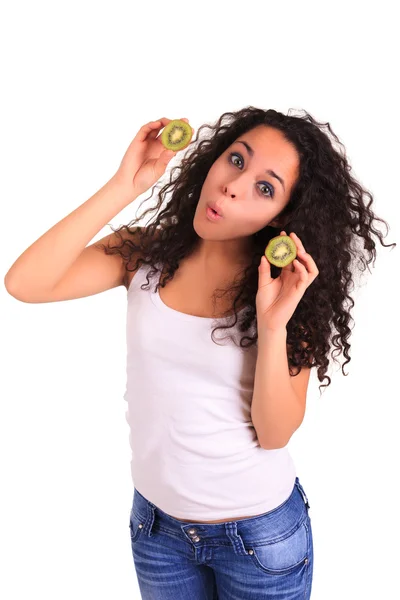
269, 171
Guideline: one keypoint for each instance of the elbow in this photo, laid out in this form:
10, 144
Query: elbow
273, 444
15, 294
277, 443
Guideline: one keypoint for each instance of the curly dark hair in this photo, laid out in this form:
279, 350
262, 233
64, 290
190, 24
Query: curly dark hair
328, 210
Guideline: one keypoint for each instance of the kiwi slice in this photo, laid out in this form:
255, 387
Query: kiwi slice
281, 251
176, 135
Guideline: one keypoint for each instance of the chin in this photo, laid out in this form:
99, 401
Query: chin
201, 231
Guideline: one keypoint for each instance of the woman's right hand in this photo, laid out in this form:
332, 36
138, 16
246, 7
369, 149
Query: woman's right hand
145, 159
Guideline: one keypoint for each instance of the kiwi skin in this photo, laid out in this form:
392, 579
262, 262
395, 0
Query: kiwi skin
277, 246
176, 135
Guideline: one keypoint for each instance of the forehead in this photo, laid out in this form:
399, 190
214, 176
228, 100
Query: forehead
271, 150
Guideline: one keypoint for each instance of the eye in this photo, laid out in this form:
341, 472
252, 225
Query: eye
267, 185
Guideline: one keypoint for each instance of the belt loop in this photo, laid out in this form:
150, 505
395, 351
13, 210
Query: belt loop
300, 487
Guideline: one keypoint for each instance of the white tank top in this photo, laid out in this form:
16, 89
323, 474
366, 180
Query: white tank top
195, 452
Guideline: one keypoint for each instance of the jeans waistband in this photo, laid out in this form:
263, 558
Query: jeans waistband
270, 525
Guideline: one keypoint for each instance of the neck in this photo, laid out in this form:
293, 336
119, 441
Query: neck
223, 255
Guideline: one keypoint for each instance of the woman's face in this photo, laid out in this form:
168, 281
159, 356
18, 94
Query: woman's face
245, 190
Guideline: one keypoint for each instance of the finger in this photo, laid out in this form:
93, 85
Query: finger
309, 264
161, 123
289, 267
264, 272
299, 245
164, 121
301, 269
148, 128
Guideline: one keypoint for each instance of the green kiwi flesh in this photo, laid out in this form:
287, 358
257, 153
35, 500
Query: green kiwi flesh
281, 251
176, 135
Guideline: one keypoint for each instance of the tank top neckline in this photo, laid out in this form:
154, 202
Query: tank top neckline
160, 305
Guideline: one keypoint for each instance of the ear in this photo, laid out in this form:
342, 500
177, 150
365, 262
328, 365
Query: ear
276, 224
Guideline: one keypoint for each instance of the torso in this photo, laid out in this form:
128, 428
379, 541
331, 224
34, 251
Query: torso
191, 293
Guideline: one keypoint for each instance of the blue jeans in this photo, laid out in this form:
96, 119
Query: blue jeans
267, 556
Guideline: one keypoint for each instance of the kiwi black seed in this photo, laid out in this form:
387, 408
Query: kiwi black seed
176, 135
281, 251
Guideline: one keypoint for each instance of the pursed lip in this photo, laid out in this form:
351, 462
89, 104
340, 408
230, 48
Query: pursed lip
215, 207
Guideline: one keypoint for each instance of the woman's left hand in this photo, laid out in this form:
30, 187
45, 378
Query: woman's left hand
276, 299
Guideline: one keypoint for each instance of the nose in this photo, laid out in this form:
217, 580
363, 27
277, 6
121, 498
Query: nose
228, 192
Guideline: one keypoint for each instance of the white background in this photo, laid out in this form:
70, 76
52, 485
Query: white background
79, 79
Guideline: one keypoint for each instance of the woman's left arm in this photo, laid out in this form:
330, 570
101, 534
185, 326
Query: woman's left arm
279, 400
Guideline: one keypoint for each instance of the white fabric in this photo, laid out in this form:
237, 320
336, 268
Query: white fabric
195, 452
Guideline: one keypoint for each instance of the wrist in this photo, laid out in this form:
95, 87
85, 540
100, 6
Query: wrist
271, 332
124, 190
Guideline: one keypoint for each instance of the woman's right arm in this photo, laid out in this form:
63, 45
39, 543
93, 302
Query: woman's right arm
59, 266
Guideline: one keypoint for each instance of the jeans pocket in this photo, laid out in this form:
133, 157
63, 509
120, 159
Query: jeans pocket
135, 526
285, 555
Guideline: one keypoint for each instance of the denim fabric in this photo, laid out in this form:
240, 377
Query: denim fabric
267, 556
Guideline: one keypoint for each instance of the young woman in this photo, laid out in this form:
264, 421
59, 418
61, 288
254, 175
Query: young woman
218, 510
